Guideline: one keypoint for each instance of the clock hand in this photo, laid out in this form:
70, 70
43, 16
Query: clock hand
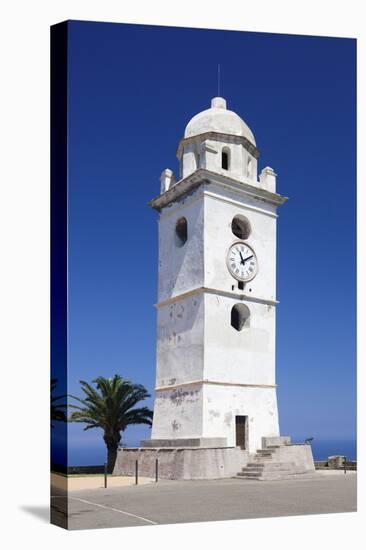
242, 259
248, 258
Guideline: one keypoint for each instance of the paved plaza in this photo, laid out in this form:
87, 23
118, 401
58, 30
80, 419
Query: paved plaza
193, 501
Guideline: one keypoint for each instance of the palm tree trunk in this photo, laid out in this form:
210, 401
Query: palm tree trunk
111, 456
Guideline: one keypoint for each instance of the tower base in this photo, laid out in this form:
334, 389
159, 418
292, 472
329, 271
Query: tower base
181, 462
277, 459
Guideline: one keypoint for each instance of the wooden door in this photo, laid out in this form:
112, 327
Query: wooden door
241, 431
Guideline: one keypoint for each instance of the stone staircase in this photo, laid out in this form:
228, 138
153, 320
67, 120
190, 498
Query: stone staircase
266, 466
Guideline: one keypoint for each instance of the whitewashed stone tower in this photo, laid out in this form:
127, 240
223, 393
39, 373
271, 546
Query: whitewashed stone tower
215, 378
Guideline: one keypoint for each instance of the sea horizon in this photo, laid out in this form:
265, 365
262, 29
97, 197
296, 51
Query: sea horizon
95, 454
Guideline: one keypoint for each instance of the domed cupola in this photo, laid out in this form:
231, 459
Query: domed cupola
218, 119
218, 140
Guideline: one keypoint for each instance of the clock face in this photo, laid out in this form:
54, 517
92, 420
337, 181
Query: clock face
242, 261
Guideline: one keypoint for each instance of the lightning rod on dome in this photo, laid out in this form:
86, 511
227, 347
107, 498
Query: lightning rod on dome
218, 79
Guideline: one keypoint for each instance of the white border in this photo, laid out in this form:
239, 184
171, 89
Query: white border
25, 260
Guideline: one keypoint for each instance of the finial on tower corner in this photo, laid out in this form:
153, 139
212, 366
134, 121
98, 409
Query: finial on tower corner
167, 180
267, 179
218, 103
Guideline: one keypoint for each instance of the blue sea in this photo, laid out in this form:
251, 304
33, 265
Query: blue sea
323, 448
95, 454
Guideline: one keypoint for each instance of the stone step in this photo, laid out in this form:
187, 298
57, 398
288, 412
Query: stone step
269, 467
265, 462
249, 474
265, 477
265, 474
264, 453
258, 477
267, 470
275, 476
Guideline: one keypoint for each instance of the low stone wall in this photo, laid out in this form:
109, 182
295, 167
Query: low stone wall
325, 465
275, 440
70, 470
182, 463
299, 454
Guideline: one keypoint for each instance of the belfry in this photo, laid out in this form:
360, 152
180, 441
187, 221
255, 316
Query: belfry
215, 395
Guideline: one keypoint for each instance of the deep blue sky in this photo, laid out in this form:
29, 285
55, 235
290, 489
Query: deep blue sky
132, 90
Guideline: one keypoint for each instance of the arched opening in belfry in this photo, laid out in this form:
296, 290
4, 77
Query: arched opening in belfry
239, 316
181, 231
225, 159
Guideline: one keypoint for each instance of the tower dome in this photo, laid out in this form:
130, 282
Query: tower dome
218, 119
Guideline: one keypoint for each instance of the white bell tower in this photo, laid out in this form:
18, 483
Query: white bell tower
216, 309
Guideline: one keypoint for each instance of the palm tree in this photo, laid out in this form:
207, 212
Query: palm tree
111, 407
58, 410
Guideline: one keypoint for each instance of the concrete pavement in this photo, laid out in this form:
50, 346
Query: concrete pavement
193, 501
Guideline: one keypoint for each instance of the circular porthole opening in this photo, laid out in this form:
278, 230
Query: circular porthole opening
240, 226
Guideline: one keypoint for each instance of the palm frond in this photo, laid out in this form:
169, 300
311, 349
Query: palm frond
110, 405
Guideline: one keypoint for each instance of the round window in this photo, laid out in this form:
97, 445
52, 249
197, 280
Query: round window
240, 226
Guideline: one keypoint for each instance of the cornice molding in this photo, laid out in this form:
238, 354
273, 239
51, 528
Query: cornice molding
202, 176
228, 294
213, 383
